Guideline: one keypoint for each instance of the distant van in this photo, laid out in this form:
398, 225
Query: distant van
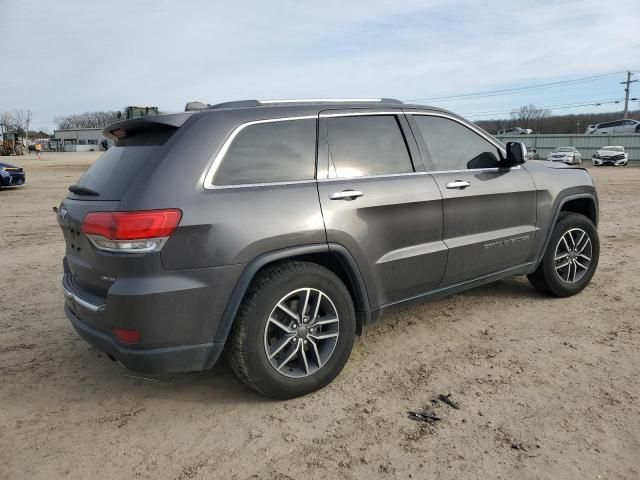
616, 126
515, 131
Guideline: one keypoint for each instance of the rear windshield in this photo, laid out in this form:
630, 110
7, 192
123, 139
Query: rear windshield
115, 170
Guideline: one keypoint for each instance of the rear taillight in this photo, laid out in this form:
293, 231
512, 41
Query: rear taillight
131, 232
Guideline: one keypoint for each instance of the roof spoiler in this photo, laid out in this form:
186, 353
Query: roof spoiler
126, 127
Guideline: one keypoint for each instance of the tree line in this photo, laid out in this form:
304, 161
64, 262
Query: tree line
87, 120
540, 120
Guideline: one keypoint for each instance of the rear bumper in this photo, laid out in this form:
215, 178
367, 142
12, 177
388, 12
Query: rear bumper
176, 315
185, 358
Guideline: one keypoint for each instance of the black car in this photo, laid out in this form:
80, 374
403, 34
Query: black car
11, 175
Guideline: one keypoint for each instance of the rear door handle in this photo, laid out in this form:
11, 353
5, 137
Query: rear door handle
459, 184
346, 195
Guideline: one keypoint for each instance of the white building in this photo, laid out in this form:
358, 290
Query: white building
79, 139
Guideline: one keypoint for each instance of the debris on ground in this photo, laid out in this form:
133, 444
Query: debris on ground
423, 417
446, 399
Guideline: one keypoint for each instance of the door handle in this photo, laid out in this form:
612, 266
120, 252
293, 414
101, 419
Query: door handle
459, 184
346, 195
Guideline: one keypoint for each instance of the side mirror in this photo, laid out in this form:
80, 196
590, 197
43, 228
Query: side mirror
516, 153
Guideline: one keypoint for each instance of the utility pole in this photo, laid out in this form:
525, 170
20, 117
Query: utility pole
626, 94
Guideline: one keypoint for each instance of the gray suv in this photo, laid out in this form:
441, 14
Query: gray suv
277, 231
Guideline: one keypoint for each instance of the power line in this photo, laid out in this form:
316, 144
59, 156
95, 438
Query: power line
508, 91
552, 107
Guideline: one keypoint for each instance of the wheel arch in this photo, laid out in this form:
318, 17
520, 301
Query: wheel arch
583, 203
337, 259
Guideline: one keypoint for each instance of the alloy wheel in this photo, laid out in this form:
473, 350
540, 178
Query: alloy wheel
301, 332
573, 255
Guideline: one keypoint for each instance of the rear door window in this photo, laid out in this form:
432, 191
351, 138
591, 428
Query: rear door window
366, 145
269, 152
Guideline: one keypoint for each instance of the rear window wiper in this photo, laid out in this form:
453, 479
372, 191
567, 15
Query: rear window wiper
80, 190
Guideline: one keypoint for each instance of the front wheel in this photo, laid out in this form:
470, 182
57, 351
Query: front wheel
294, 332
571, 258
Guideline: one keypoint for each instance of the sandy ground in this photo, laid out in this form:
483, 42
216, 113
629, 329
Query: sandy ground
547, 388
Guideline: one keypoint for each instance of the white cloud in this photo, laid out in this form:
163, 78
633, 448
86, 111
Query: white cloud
71, 56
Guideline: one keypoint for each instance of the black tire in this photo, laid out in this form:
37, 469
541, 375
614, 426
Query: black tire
546, 278
246, 343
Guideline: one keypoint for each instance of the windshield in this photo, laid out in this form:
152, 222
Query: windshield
613, 149
564, 149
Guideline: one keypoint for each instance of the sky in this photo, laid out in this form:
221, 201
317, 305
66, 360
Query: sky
70, 56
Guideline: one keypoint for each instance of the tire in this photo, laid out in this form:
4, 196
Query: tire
254, 332
550, 276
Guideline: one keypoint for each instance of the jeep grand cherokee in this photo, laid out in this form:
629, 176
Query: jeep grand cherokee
277, 231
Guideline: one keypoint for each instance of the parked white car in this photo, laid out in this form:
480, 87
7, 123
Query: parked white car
612, 155
569, 155
616, 126
515, 131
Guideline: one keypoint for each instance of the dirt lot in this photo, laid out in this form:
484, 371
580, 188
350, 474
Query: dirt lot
547, 388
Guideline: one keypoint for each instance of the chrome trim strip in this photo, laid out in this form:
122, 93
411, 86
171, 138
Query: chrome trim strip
266, 184
491, 169
365, 177
319, 100
83, 303
212, 169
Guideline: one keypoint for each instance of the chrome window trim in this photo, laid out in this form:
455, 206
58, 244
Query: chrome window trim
213, 168
365, 177
489, 169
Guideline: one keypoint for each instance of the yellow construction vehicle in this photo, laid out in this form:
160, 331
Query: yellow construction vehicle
10, 142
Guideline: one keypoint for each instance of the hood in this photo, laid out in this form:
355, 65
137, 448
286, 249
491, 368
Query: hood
556, 165
7, 165
609, 153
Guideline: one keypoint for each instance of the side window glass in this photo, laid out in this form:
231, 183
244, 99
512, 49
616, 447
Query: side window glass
366, 145
278, 151
452, 146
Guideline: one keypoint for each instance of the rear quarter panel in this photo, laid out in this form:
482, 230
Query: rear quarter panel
223, 226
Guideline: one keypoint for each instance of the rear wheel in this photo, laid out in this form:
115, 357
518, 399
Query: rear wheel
294, 332
571, 258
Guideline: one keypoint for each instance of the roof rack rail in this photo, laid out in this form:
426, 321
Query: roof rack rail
331, 100
197, 106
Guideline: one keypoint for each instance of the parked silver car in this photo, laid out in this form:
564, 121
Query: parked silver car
569, 155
